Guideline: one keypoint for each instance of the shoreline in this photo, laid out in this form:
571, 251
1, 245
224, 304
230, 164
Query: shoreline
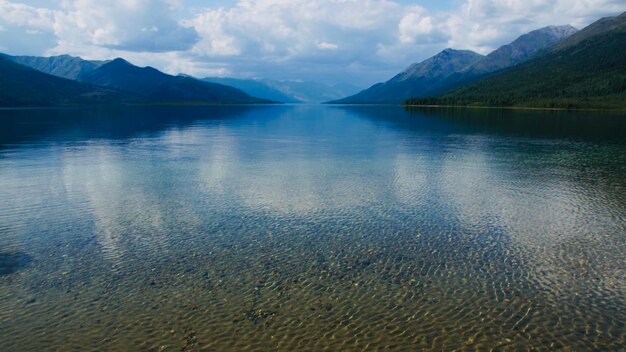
512, 108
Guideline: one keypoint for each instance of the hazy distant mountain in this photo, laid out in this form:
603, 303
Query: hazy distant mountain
23, 86
65, 66
416, 79
312, 92
255, 88
452, 68
587, 70
153, 85
289, 91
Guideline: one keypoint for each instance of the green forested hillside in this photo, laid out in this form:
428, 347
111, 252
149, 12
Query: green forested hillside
587, 74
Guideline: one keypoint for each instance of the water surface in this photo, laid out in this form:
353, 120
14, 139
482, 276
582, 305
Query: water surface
311, 228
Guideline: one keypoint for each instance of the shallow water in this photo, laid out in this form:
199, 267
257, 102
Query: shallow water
311, 228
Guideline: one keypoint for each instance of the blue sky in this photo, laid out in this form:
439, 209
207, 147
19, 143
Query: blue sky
354, 41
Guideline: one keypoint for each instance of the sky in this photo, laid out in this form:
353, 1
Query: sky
332, 41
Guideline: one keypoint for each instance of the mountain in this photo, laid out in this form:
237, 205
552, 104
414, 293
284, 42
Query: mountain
452, 68
587, 70
152, 85
416, 79
266, 90
603, 25
101, 81
520, 49
289, 91
255, 88
65, 66
23, 86
311, 92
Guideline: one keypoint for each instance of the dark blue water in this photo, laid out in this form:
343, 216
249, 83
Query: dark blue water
311, 228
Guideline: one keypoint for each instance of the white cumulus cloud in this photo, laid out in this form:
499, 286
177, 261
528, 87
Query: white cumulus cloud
131, 25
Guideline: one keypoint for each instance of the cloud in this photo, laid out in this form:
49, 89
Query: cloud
279, 29
25, 29
327, 46
297, 39
137, 25
23, 15
415, 25
483, 25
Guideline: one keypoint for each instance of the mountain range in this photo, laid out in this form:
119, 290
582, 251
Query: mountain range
148, 85
24, 86
64, 66
555, 66
288, 91
586, 70
416, 80
73, 79
255, 88
452, 68
151, 85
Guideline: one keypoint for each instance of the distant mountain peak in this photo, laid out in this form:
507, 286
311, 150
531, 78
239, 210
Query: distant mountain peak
446, 51
522, 48
120, 65
65, 66
444, 64
450, 54
541, 35
560, 31
27, 86
416, 79
602, 25
120, 61
155, 86
450, 51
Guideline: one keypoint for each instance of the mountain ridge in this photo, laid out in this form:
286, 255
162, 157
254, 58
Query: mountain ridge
602, 25
116, 82
522, 48
311, 91
153, 85
416, 78
24, 86
65, 66
424, 79
254, 88
580, 74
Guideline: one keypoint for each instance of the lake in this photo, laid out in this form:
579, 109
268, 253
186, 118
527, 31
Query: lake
188, 228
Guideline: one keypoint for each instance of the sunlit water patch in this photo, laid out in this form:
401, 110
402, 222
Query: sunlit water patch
311, 228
